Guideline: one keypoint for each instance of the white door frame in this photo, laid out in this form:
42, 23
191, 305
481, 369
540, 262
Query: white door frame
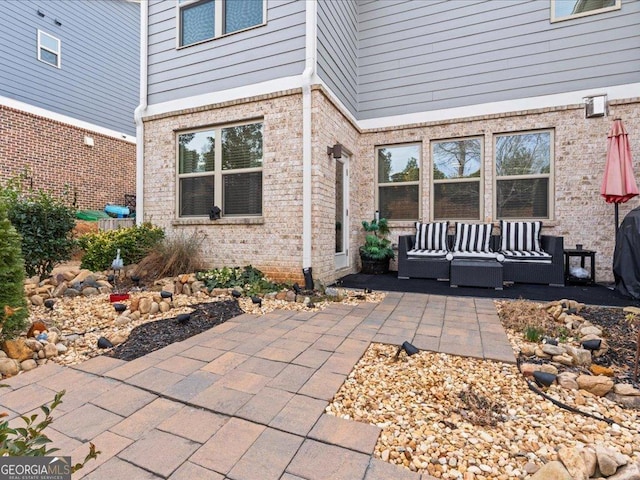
342, 258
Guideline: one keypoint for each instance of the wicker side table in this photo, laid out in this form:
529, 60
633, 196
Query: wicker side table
476, 273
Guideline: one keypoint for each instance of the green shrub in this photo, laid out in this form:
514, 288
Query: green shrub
45, 224
135, 242
250, 279
13, 305
533, 334
30, 441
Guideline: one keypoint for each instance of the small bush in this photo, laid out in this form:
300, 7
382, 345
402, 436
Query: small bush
45, 224
173, 256
250, 279
134, 243
30, 441
13, 305
533, 334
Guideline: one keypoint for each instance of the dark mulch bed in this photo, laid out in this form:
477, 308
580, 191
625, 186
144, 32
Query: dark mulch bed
152, 336
621, 335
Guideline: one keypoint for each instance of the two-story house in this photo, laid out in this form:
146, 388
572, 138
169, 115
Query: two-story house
69, 86
298, 119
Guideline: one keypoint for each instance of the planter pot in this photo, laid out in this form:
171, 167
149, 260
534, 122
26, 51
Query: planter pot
374, 267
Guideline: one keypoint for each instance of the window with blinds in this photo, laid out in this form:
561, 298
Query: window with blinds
399, 181
220, 166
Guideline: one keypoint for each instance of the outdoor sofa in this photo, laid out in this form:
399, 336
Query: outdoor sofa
525, 256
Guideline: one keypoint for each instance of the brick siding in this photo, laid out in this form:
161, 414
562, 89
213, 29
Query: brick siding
59, 162
274, 243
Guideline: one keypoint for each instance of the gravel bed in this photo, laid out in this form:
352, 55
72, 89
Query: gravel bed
449, 416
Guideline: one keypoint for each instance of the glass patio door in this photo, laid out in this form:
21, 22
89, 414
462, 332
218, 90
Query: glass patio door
342, 212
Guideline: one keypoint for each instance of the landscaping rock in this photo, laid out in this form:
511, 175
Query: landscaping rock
601, 370
27, 365
580, 356
627, 401
9, 366
145, 305
37, 300
60, 289
597, 385
71, 292
17, 349
573, 461
80, 277
90, 291
552, 350
567, 380
609, 460
628, 472
552, 471
625, 389
50, 350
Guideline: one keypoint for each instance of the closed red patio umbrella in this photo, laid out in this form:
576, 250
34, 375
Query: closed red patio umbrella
618, 184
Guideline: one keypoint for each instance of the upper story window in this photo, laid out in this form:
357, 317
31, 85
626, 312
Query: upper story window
456, 178
48, 49
200, 20
567, 9
523, 163
399, 181
220, 166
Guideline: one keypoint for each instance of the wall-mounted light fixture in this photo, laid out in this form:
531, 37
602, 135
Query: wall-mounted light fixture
215, 212
336, 151
595, 106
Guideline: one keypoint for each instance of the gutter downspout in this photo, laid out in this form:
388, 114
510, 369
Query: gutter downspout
141, 110
308, 76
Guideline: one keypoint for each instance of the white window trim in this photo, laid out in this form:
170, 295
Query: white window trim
550, 175
480, 179
217, 172
616, 6
219, 22
390, 184
42, 47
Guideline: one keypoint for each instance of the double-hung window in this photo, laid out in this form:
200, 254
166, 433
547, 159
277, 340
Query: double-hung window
220, 166
200, 20
48, 49
456, 179
399, 181
523, 163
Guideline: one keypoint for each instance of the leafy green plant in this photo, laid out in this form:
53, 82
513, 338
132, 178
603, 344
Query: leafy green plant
172, 256
563, 334
533, 334
31, 441
135, 243
13, 304
45, 224
376, 246
249, 278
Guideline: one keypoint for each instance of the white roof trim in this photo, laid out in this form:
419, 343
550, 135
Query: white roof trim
58, 117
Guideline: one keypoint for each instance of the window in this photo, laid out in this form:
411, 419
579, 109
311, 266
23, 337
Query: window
220, 166
567, 9
399, 182
48, 49
201, 20
523, 175
457, 168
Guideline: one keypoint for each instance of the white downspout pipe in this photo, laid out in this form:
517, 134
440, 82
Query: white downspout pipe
308, 77
140, 111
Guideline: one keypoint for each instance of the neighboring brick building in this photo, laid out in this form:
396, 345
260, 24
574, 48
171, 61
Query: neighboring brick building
241, 116
66, 108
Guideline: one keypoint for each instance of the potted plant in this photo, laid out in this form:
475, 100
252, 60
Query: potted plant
376, 252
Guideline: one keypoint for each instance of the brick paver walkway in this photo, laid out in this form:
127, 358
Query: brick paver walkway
246, 399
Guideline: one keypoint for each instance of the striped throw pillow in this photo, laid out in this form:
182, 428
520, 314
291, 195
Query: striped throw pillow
473, 237
431, 236
520, 236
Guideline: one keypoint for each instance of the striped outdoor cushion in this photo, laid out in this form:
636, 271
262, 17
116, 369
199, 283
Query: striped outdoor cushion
427, 253
472, 237
526, 256
520, 236
431, 236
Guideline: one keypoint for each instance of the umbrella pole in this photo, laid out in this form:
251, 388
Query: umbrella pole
616, 216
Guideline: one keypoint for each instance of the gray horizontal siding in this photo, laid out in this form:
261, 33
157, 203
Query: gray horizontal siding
264, 53
338, 50
99, 78
421, 56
